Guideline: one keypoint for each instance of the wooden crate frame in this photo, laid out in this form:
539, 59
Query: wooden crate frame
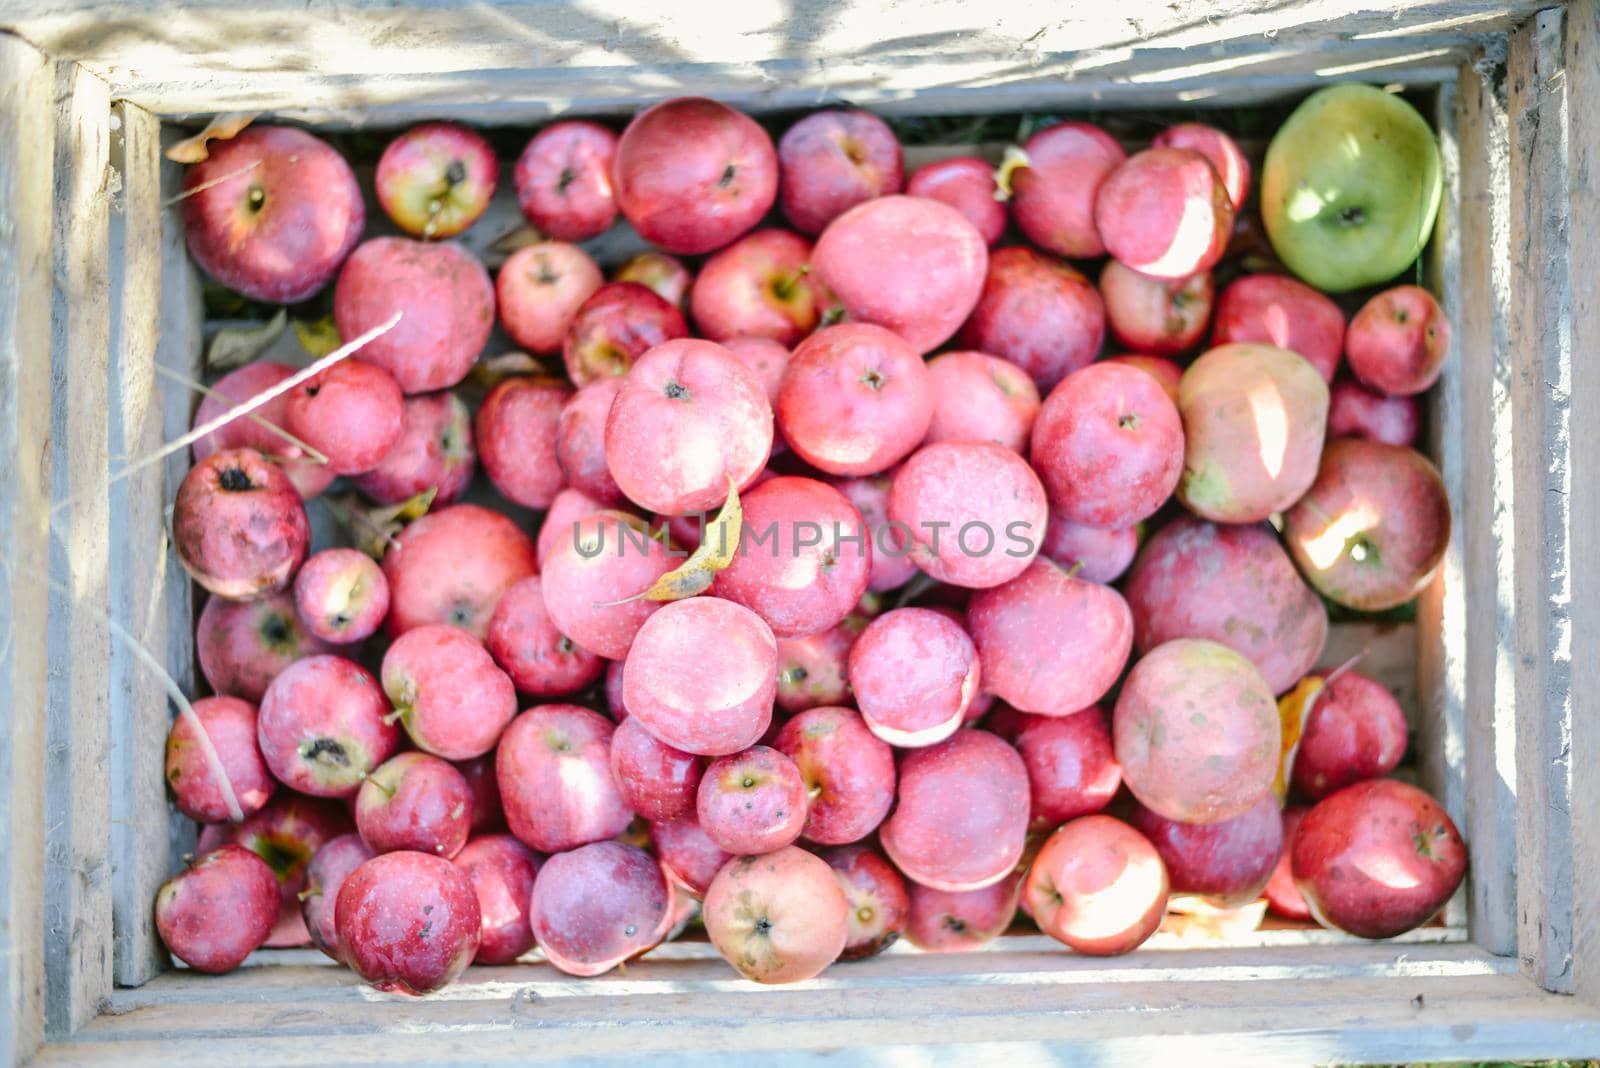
95, 291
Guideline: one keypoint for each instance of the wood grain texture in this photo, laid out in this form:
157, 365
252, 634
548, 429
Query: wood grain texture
1358, 1003
1541, 354
77, 809
27, 157
1581, 69
361, 62
142, 853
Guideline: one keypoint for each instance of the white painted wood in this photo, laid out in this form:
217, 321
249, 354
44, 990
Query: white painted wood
357, 62
1359, 1003
1582, 78
27, 155
77, 809
1541, 351
142, 848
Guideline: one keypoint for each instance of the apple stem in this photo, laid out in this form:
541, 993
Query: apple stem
784, 286
312, 454
210, 183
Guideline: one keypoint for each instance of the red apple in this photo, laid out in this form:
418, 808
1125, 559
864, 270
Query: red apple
446, 303
855, 399
1285, 312
272, 213
341, 595
502, 872
688, 419
554, 771
1108, 446
414, 801
1230, 583
219, 910
487, 813
803, 559
1165, 212
1049, 642
569, 507
255, 431
1196, 731
601, 560
436, 179
701, 676
618, 323
1053, 196
1377, 858
962, 813
323, 726
768, 359
692, 174
434, 451
1163, 370
286, 833
877, 898
408, 922
981, 398
539, 290
759, 286
688, 856
832, 160
325, 875
751, 802
1354, 411
848, 773
563, 180
1283, 897
892, 566
448, 691
1397, 342
1038, 313
515, 431
1097, 886
811, 670
1229, 862
451, 566
778, 918
913, 265
1373, 528
663, 275
352, 413
1072, 770
230, 726
1154, 315
1224, 154
656, 781
580, 445
525, 642
966, 183
598, 905
915, 673
1355, 730
239, 526
975, 512
954, 921
1100, 555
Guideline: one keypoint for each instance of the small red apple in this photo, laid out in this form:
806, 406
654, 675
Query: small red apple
437, 179
832, 160
563, 180
966, 183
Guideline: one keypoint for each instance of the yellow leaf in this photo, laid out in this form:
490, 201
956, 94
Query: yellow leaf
197, 149
317, 336
718, 545
1294, 708
1013, 160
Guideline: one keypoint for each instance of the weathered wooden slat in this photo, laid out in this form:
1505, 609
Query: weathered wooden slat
77, 809
1582, 76
141, 833
1541, 354
27, 138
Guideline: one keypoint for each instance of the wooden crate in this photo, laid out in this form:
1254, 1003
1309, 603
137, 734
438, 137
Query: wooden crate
95, 292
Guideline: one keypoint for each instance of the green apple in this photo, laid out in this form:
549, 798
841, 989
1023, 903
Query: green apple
1350, 187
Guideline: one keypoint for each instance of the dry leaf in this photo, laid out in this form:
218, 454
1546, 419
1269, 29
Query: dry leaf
488, 373
372, 530
521, 237
197, 149
1294, 708
317, 336
718, 545
1013, 160
235, 346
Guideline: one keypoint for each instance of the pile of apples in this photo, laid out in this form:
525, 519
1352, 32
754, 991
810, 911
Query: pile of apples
955, 606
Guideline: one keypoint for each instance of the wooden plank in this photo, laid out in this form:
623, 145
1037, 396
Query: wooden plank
1582, 78
369, 62
1364, 1003
142, 846
77, 808
27, 137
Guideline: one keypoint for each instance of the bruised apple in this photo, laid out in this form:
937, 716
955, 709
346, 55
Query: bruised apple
239, 525
596, 906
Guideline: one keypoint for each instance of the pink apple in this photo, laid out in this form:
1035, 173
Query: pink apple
1285, 312
554, 771
1228, 862
953, 921
603, 560
1097, 886
1100, 554
892, 566
218, 910
977, 397
515, 431
324, 725
325, 875
832, 160
414, 801
341, 595
1224, 154
525, 642
759, 286
966, 183
408, 922
855, 399
1397, 342
437, 179
596, 906
688, 856
915, 673
811, 670
229, 725
1072, 770
539, 290
1165, 212
310, 478
434, 451
751, 802
448, 692
1053, 197
848, 773
1354, 411
563, 180
1038, 313
1159, 316
502, 872
452, 565
242, 645
876, 896
618, 323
